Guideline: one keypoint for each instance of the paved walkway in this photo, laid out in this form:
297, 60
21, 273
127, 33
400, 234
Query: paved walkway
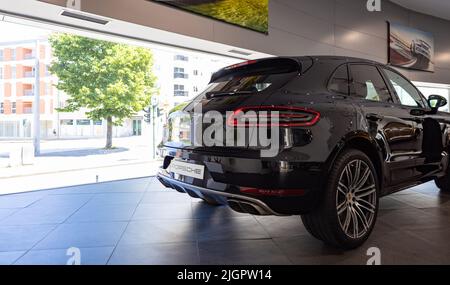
140, 222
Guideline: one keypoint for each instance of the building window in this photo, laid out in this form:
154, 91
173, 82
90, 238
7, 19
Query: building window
67, 122
98, 123
195, 89
2, 108
178, 90
48, 89
83, 122
1, 55
13, 72
13, 108
181, 57
13, 54
1, 73
196, 72
178, 72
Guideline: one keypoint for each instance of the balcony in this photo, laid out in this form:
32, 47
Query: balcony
28, 56
28, 93
181, 75
28, 74
180, 93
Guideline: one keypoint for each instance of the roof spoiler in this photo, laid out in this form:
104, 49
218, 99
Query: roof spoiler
273, 65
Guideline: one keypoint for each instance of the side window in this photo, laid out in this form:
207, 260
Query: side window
340, 83
368, 84
406, 92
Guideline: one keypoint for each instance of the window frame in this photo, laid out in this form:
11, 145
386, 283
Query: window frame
394, 92
377, 67
333, 75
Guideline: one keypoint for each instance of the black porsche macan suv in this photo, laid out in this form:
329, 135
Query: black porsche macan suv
350, 132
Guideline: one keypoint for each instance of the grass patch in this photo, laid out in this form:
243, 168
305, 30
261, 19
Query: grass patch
252, 14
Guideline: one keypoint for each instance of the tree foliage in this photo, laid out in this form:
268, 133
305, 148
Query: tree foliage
112, 81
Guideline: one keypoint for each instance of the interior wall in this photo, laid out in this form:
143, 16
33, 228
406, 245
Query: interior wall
296, 27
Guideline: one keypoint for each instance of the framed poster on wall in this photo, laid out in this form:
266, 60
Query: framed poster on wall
250, 14
410, 48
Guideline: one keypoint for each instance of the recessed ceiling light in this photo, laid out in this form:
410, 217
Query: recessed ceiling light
84, 17
240, 52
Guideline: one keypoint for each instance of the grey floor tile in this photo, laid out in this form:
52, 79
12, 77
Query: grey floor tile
201, 210
242, 252
17, 238
8, 258
163, 211
6, 212
18, 200
282, 226
103, 213
410, 219
116, 198
420, 200
230, 229
166, 197
83, 235
88, 256
156, 254
158, 231
390, 203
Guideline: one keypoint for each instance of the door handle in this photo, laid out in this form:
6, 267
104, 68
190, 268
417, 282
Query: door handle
374, 117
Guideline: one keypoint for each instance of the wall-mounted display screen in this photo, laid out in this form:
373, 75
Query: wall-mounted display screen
411, 48
251, 14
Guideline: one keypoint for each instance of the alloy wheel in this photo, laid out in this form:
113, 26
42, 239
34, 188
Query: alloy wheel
356, 199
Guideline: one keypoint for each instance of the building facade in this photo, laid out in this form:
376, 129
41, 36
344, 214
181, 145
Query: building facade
180, 77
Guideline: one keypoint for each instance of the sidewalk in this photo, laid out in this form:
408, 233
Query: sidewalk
74, 162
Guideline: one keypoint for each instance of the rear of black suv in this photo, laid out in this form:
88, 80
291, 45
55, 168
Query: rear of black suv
312, 122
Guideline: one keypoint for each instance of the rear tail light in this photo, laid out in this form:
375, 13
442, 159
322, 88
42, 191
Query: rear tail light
272, 192
268, 116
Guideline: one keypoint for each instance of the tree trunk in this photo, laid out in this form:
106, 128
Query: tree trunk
109, 133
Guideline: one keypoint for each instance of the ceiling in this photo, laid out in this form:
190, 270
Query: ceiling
42, 15
437, 8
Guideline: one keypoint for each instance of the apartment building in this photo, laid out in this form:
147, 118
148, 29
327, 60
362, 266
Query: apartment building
18, 64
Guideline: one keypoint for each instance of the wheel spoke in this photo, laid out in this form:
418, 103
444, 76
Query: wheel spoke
342, 207
357, 173
365, 192
362, 217
365, 205
363, 179
355, 224
349, 175
342, 188
347, 220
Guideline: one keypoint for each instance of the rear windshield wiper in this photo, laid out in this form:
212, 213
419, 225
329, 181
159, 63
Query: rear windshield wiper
210, 95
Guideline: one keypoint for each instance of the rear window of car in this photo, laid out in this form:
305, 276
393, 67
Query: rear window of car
253, 76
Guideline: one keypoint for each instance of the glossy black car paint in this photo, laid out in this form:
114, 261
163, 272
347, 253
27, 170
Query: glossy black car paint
408, 146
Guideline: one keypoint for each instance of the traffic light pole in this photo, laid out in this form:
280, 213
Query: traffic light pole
36, 105
153, 132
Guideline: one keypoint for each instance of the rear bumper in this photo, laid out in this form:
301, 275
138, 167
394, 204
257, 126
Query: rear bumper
225, 186
246, 204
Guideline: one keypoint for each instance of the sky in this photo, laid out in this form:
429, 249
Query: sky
10, 32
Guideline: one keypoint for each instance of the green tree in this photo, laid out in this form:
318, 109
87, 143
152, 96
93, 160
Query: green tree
112, 81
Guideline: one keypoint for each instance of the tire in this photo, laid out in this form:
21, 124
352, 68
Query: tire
333, 221
443, 183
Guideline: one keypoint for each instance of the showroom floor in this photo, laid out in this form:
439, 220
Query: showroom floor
139, 222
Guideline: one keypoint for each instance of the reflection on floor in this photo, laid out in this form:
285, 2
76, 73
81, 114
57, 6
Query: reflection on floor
139, 222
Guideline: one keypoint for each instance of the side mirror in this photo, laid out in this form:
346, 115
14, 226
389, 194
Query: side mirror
436, 101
